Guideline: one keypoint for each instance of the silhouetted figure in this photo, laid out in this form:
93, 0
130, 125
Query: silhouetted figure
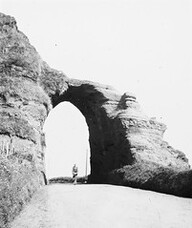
75, 173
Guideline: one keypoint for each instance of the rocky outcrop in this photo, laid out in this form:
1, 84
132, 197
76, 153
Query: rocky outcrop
23, 109
120, 134
127, 147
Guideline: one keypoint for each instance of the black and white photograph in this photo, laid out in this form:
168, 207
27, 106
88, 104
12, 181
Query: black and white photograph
95, 113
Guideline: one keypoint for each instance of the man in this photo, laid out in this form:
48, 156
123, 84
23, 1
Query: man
74, 173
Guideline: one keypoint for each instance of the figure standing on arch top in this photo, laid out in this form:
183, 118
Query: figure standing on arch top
75, 173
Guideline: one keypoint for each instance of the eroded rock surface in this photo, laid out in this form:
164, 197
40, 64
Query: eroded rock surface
127, 147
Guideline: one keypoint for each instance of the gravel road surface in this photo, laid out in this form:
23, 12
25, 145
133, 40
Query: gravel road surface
103, 206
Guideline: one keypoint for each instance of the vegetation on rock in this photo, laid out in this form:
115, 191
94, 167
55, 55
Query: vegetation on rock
127, 147
19, 179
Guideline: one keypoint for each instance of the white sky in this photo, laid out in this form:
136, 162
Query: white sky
141, 46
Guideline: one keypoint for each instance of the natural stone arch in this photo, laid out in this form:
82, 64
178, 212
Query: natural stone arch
127, 147
97, 102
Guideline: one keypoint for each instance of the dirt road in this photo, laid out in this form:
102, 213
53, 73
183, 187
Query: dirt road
103, 206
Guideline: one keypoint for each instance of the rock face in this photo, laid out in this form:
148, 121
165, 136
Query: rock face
127, 147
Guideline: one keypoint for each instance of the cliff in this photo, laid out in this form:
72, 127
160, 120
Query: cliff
127, 147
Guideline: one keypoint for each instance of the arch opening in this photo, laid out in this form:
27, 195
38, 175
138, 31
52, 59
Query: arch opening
67, 142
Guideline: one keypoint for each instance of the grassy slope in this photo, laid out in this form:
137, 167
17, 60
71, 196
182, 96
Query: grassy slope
18, 181
152, 176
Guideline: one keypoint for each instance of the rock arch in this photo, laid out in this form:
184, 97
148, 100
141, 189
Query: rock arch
98, 103
127, 147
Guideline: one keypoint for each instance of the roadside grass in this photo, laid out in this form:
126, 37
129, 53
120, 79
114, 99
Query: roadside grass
65, 180
19, 179
152, 176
